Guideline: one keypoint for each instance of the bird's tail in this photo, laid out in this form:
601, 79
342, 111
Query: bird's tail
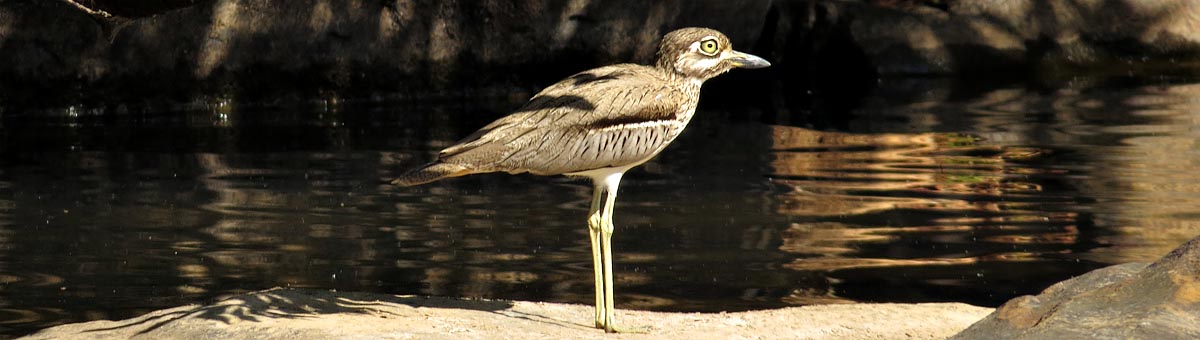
431, 172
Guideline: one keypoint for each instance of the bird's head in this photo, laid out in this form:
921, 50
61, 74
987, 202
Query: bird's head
702, 53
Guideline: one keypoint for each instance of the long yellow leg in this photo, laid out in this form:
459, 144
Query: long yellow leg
594, 229
606, 229
609, 304
600, 230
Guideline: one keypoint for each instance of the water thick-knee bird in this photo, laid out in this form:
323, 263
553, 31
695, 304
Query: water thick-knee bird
597, 124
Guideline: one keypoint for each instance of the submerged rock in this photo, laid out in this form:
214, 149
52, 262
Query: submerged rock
1129, 301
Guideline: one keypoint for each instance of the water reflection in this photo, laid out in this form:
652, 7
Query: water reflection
1004, 192
933, 210
1124, 147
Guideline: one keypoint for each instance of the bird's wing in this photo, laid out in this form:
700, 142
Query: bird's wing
611, 116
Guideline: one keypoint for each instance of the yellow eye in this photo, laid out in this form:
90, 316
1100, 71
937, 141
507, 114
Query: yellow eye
709, 47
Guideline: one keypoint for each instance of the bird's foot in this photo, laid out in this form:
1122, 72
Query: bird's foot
625, 330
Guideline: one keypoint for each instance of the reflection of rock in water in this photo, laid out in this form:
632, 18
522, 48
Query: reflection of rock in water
1125, 154
8, 277
822, 166
1149, 171
869, 202
1105, 166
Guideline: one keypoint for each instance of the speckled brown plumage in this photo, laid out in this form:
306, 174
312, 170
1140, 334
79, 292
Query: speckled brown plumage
613, 116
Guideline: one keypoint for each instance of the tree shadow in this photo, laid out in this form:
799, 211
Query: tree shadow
282, 303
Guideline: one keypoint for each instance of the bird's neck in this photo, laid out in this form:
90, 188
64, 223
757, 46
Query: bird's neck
689, 84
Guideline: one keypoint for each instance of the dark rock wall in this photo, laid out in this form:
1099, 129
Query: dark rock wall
434, 46
414, 44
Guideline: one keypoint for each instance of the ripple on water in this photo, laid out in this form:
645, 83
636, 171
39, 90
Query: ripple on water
1024, 188
889, 202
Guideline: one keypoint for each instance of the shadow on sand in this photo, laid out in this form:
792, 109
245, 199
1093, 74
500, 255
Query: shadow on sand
283, 303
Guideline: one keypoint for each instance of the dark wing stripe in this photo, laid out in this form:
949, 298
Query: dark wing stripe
612, 116
622, 140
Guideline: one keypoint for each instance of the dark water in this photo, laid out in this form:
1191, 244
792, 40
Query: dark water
925, 194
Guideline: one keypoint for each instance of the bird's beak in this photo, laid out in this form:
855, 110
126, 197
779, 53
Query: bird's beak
746, 60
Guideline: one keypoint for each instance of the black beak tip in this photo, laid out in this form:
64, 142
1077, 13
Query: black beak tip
750, 61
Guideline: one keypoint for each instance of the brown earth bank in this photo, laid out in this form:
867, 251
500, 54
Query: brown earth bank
316, 314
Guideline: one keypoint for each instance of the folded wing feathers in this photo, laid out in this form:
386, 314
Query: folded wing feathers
615, 118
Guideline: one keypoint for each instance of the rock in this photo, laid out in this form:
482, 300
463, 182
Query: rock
1128, 301
990, 36
315, 314
135, 49
392, 44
